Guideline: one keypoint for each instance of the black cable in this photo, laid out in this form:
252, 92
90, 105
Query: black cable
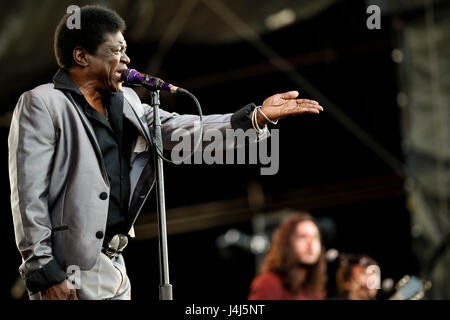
199, 108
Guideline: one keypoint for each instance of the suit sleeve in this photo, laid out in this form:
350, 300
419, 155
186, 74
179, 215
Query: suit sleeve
174, 126
31, 143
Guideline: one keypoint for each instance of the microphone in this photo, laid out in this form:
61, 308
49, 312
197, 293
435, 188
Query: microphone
133, 77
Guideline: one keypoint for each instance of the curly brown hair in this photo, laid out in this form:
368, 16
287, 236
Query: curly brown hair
282, 260
345, 270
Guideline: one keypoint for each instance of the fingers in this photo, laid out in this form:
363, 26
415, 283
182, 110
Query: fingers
306, 105
289, 95
307, 101
307, 110
285, 104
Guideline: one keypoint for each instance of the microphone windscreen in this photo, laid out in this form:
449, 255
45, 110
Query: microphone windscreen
128, 76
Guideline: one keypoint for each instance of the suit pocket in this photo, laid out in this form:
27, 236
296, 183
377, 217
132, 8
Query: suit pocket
60, 228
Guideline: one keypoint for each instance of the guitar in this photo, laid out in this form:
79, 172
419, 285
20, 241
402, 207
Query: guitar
410, 288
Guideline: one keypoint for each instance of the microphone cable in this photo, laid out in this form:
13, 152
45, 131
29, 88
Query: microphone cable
199, 109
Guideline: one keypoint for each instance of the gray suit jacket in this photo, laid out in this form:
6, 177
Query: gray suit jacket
57, 175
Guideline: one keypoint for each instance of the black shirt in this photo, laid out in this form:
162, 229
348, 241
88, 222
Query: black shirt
115, 148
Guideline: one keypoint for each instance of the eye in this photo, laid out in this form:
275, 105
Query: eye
120, 50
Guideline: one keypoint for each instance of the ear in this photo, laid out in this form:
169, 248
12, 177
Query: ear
80, 56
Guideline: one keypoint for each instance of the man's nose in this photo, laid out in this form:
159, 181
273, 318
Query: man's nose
125, 59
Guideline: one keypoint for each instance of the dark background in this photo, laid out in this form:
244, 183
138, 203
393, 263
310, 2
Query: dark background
353, 67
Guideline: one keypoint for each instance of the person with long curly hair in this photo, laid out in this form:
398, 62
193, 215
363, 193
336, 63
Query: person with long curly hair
295, 266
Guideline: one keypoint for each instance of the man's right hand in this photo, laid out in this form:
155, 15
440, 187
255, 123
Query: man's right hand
59, 291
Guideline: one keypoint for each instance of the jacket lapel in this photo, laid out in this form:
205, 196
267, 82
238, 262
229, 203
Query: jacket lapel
141, 177
91, 134
135, 118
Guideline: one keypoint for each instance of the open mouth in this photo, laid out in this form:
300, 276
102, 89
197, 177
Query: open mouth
118, 76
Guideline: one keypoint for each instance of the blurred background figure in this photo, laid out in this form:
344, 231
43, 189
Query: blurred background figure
354, 277
295, 266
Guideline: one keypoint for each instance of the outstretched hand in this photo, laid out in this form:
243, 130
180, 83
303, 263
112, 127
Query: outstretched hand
285, 104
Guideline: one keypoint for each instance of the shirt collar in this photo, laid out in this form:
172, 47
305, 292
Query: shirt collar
61, 80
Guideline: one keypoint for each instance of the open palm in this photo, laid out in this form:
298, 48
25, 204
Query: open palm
285, 104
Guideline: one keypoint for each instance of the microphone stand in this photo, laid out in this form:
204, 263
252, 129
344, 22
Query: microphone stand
165, 288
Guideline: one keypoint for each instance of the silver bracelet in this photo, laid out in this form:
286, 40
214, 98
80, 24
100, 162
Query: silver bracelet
255, 122
264, 115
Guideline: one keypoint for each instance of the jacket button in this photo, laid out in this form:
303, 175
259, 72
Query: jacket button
103, 196
99, 234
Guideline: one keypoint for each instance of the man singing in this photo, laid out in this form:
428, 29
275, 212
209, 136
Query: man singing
80, 161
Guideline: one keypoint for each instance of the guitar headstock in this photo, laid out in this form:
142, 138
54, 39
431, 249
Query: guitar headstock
410, 288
